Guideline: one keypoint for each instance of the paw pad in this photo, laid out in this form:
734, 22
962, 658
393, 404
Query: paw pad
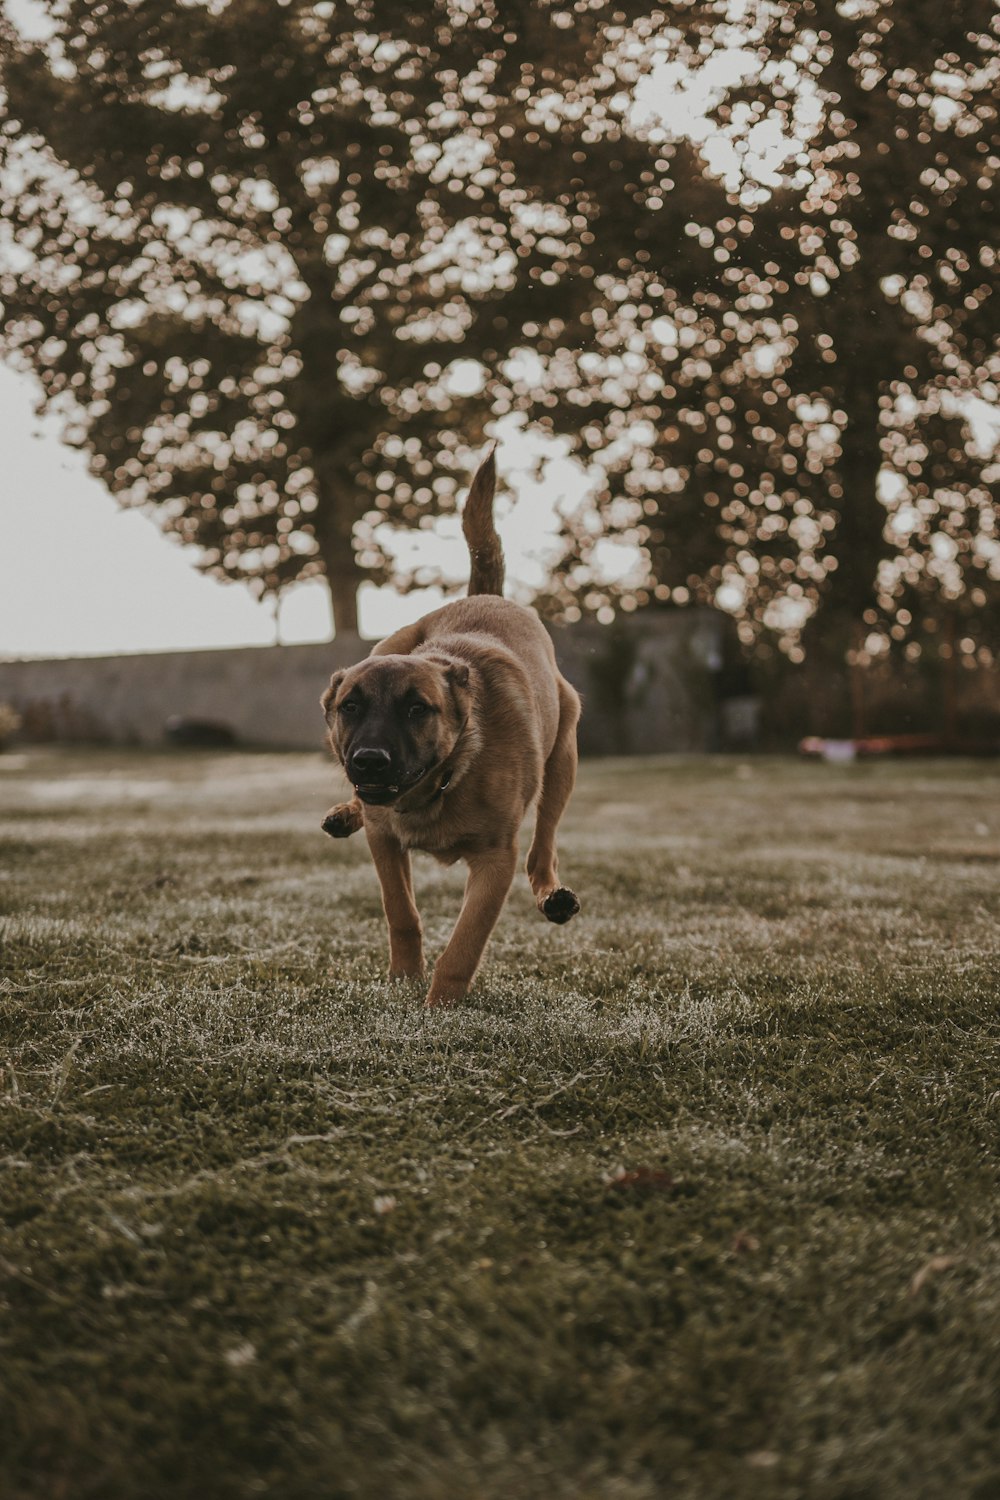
341, 822
560, 905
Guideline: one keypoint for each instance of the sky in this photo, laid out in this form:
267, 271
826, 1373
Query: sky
81, 577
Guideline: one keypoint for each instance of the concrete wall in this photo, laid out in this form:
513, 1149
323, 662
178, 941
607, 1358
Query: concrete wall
648, 685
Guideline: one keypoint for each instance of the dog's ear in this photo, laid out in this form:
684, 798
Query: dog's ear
327, 700
458, 673
456, 670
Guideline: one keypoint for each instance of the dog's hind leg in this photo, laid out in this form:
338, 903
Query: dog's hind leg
490, 876
555, 901
392, 865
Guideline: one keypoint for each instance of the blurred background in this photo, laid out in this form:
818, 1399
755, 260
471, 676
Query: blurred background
718, 276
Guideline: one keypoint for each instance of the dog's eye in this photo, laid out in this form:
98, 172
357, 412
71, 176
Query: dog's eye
419, 710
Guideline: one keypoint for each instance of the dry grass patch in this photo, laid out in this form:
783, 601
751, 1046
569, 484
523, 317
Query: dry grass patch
695, 1196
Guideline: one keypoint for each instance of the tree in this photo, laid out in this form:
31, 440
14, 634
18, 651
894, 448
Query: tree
811, 451
263, 255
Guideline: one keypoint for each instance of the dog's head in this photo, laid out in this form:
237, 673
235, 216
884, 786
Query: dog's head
395, 720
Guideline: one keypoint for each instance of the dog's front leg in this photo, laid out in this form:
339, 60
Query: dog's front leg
344, 819
490, 876
392, 865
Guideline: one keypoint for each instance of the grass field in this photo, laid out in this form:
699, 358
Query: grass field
695, 1197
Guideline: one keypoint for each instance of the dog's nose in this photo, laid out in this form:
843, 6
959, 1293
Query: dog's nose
370, 762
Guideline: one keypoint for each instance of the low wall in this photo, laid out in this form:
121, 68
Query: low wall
649, 685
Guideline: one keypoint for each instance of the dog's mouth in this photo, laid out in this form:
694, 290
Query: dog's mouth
381, 793
376, 795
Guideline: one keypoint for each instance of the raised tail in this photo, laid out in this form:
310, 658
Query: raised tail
485, 550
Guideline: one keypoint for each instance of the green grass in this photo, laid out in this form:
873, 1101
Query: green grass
694, 1197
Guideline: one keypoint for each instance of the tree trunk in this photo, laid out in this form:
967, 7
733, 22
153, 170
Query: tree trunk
859, 536
836, 633
334, 530
858, 541
343, 586
342, 580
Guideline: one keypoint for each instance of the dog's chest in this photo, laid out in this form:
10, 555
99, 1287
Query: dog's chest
434, 832
427, 835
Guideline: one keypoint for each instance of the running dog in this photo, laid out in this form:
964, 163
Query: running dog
449, 731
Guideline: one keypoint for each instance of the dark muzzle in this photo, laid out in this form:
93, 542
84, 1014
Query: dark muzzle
371, 772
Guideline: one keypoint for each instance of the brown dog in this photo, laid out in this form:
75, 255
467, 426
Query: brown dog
449, 731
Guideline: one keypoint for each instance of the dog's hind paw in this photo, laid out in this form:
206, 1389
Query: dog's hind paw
343, 820
560, 905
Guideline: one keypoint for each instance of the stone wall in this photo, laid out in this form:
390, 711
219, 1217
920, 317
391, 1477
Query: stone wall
650, 684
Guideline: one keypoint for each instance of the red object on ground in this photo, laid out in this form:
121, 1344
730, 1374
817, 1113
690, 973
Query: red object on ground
896, 744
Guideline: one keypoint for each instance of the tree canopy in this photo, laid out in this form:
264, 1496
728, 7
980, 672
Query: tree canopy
812, 437
264, 256
279, 265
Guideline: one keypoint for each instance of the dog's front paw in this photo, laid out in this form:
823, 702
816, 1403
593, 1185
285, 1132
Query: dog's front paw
446, 991
560, 905
404, 972
343, 820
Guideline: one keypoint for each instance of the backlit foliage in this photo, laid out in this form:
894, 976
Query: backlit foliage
263, 256
817, 424
280, 263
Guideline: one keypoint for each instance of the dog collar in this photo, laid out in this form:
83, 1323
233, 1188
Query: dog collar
445, 781
435, 796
